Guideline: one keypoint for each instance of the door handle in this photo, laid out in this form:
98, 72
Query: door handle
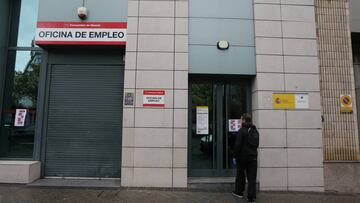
7, 125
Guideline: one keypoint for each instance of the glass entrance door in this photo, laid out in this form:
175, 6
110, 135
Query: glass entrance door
216, 107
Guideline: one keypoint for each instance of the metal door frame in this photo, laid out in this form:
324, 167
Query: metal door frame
220, 95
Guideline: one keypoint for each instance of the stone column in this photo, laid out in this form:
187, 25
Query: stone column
337, 77
154, 150
290, 155
340, 130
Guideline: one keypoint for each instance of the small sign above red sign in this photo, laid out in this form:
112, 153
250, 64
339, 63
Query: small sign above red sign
81, 33
154, 98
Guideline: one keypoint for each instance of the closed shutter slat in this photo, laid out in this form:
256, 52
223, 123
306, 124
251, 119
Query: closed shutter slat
84, 121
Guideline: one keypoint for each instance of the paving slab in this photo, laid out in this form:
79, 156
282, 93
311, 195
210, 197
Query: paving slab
26, 194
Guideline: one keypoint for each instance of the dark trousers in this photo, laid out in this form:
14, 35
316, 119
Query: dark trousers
248, 166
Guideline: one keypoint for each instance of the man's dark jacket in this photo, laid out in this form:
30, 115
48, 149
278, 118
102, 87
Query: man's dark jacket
242, 149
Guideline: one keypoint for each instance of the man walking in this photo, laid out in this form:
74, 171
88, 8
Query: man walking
245, 153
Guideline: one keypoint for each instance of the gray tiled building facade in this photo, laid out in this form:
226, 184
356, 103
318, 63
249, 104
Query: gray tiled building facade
87, 116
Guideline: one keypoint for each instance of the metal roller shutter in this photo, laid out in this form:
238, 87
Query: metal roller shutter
84, 121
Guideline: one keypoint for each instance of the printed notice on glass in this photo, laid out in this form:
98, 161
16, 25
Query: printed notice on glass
20, 117
202, 120
234, 125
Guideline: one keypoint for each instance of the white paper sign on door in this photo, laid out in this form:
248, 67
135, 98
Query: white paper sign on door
20, 116
202, 120
234, 125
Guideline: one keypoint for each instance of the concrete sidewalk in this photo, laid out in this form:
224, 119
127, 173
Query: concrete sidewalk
25, 194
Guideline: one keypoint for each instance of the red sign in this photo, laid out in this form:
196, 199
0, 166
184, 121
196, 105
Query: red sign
81, 33
154, 98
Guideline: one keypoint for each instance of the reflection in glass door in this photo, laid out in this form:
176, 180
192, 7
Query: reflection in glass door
216, 107
202, 146
17, 130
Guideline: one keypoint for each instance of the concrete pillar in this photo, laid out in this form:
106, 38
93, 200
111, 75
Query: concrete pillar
290, 154
155, 138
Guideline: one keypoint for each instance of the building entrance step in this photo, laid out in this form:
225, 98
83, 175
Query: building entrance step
216, 184
74, 183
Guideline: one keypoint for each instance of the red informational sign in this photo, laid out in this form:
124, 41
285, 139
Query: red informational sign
81, 33
154, 98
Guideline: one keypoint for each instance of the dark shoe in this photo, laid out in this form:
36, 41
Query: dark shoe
251, 200
239, 195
